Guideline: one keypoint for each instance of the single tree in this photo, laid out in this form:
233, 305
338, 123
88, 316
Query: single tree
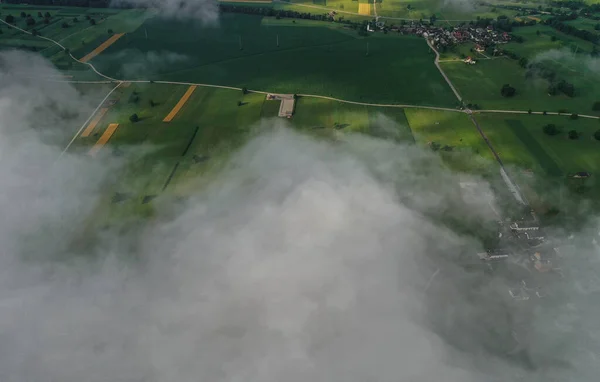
597, 135
46, 21
244, 90
134, 118
110, 31
507, 91
64, 24
92, 22
30, 22
152, 103
40, 15
573, 134
529, 111
239, 103
75, 20
574, 116
87, 17
537, 32
596, 106
553, 38
10, 19
47, 15
34, 32
23, 15
551, 129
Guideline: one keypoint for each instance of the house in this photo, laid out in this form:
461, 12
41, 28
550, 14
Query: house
541, 262
524, 226
478, 48
469, 61
581, 175
494, 255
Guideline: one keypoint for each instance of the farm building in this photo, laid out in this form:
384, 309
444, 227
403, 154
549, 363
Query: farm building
469, 61
286, 108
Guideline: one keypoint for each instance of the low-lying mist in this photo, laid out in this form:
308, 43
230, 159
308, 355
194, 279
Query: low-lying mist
306, 259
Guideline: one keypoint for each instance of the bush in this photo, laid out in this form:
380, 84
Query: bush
134, 118
551, 129
65, 24
507, 91
573, 134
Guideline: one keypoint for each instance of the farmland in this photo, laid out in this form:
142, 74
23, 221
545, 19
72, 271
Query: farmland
481, 84
309, 60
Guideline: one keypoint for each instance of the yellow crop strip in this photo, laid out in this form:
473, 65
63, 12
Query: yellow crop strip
364, 9
102, 47
104, 138
88, 130
180, 104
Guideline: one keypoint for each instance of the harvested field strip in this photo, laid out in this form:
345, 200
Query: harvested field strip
104, 138
180, 104
545, 160
364, 9
102, 47
88, 130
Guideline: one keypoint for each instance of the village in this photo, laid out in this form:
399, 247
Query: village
443, 38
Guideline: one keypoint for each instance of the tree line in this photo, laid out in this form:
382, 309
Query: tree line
64, 3
558, 24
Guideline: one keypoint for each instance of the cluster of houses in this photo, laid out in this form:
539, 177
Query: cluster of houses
442, 37
524, 245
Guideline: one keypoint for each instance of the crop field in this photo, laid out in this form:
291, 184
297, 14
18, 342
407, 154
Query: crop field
79, 36
175, 158
315, 60
481, 84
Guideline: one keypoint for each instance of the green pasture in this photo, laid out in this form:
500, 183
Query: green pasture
467, 151
309, 60
481, 84
535, 44
520, 140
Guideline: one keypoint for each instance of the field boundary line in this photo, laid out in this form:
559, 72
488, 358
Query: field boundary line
88, 120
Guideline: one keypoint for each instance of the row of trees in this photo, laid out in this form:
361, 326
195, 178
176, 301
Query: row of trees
552, 130
557, 23
65, 3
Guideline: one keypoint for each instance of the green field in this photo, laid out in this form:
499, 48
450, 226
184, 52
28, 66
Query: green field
521, 141
468, 152
534, 44
481, 84
327, 60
